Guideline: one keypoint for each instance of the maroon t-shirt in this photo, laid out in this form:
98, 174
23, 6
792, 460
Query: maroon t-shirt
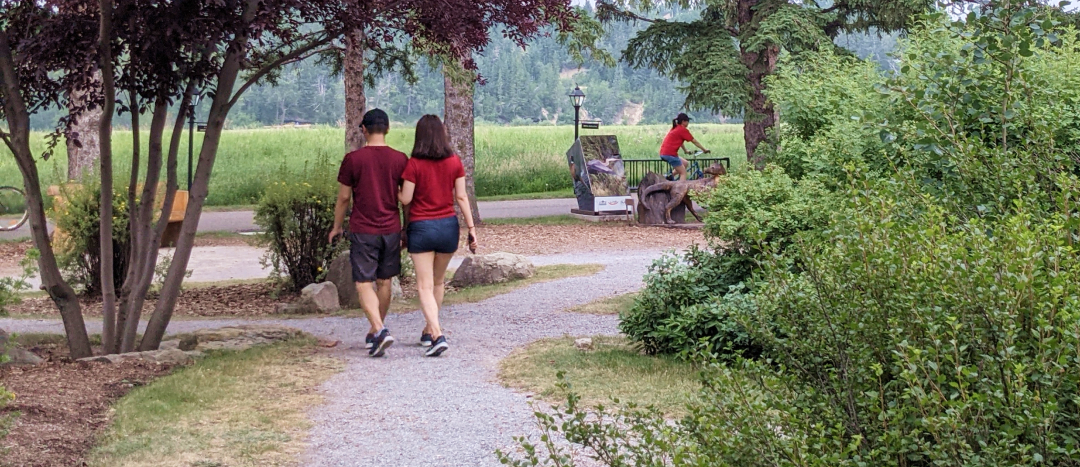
434, 179
374, 173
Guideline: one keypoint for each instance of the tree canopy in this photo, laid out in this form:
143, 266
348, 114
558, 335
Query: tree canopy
724, 54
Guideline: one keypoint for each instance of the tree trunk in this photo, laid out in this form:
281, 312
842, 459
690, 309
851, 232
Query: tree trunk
760, 114
152, 239
459, 86
219, 109
18, 141
82, 155
108, 286
355, 98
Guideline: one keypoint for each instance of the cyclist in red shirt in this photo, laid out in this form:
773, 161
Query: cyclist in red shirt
434, 179
674, 141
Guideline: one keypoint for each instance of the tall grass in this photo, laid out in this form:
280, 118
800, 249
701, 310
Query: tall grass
509, 160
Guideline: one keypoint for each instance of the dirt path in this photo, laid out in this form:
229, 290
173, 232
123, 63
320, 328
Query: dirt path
406, 409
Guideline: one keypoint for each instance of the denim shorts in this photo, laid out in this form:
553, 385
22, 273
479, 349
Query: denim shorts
674, 161
438, 235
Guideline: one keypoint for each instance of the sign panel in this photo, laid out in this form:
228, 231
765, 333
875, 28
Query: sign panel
609, 203
596, 166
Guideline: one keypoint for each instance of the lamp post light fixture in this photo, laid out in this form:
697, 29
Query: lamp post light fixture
577, 98
191, 135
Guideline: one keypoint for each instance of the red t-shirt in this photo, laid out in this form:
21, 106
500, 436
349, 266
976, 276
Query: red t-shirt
674, 140
434, 179
374, 173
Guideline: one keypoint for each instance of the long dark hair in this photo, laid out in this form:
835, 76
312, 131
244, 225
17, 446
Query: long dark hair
431, 140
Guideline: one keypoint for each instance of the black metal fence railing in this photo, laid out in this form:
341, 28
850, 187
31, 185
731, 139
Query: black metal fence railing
637, 168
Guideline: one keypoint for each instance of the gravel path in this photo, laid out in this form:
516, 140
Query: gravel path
408, 410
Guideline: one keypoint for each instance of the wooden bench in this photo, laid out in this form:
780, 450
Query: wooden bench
172, 229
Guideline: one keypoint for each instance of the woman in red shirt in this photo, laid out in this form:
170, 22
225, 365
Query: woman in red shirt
433, 179
674, 141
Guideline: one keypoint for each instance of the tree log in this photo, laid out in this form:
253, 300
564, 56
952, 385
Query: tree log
651, 210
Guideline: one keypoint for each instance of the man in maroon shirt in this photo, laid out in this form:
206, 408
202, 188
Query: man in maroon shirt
371, 177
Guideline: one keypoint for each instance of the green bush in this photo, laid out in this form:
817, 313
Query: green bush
757, 210
684, 307
77, 243
296, 215
831, 109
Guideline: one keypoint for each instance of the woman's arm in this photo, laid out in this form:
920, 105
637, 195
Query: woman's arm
405, 195
463, 203
696, 143
462, 197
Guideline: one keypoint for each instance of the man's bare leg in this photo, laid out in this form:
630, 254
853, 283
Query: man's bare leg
369, 301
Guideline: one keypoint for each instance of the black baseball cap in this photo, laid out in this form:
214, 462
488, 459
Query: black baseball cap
682, 118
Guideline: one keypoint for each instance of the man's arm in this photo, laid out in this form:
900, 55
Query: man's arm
343, 200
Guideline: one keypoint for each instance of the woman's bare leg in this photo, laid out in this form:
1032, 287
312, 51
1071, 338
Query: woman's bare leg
425, 287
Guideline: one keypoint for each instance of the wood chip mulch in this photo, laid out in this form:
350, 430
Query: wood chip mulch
259, 299
61, 407
581, 238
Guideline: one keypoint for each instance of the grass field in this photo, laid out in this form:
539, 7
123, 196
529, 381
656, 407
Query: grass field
509, 160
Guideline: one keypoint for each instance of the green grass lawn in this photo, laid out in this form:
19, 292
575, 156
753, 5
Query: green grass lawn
614, 369
510, 161
231, 408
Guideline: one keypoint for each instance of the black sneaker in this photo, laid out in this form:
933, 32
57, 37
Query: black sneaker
425, 340
369, 341
437, 347
383, 341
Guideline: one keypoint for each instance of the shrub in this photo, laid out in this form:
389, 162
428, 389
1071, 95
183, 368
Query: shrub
78, 245
753, 210
831, 108
296, 215
684, 308
680, 308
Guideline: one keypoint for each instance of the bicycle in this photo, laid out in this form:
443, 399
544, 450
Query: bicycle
13, 212
693, 170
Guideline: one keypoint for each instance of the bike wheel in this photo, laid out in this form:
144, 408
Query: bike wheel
13, 212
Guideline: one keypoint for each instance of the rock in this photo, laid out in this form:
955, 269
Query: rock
583, 344
15, 355
492, 269
340, 274
189, 342
164, 356
243, 337
322, 297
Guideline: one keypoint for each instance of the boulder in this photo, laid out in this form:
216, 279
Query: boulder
492, 269
189, 342
163, 356
322, 297
340, 273
15, 355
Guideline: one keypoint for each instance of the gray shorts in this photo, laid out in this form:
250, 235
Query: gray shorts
374, 256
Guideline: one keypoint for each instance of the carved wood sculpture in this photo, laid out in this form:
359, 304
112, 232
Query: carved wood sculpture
666, 202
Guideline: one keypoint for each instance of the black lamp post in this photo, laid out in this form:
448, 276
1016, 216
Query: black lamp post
191, 136
577, 98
